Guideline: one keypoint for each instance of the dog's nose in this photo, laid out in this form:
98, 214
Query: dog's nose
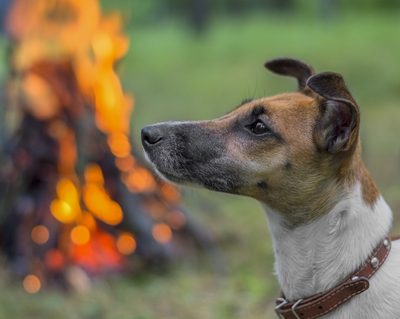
151, 135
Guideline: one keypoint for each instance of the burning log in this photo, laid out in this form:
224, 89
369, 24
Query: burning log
74, 195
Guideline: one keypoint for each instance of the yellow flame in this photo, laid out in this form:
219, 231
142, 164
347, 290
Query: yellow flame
66, 207
67, 191
62, 211
101, 205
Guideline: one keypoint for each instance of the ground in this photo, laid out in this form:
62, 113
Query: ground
176, 76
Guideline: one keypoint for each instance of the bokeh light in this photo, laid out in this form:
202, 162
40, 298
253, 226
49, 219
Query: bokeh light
40, 234
32, 284
80, 235
126, 243
162, 233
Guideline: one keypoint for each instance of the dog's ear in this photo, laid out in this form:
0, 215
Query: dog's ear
337, 127
291, 67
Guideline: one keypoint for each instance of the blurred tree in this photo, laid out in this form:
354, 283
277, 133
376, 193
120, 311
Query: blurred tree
196, 12
328, 9
282, 5
199, 15
371, 5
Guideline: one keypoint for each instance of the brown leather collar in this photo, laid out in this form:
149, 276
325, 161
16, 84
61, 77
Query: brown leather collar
320, 304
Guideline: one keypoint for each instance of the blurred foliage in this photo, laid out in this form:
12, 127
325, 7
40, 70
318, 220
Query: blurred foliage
371, 5
156, 11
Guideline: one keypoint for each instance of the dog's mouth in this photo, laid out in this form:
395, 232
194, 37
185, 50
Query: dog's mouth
173, 169
179, 158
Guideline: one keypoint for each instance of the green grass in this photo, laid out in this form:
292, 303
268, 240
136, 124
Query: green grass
175, 76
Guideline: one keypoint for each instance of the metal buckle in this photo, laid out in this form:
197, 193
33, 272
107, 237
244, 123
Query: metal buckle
283, 302
294, 308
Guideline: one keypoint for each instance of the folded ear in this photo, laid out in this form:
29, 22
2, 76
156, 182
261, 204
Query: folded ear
291, 67
338, 124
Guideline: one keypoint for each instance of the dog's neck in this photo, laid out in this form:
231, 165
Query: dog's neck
316, 256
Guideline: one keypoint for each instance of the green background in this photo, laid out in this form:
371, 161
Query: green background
176, 74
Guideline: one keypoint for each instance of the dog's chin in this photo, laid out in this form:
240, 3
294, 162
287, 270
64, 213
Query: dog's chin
176, 173
165, 174
174, 178
171, 178
211, 183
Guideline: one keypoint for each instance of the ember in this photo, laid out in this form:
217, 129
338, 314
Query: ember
76, 196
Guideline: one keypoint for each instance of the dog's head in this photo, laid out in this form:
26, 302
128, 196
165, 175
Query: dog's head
289, 151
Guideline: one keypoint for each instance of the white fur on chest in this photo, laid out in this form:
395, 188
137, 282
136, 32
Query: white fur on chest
314, 257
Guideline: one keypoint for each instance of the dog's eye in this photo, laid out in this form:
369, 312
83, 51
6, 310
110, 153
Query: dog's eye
258, 127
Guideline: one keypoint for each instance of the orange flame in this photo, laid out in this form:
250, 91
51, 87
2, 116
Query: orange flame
98, 254
76, 30
97, 200
80, 235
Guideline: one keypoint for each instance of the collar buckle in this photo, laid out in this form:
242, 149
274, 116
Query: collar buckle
282, 302
295, 305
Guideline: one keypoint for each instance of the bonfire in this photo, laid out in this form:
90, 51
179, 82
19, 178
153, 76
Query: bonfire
77, 202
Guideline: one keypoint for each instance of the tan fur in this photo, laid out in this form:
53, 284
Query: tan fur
354, 170
302, 183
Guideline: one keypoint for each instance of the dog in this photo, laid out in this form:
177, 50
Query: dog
299, 154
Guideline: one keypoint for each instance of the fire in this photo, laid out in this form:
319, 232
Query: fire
99, 252
66, 208
65, 55
51, 30
94, 175
102, 206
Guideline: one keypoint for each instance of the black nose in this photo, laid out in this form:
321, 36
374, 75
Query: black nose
151, 135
